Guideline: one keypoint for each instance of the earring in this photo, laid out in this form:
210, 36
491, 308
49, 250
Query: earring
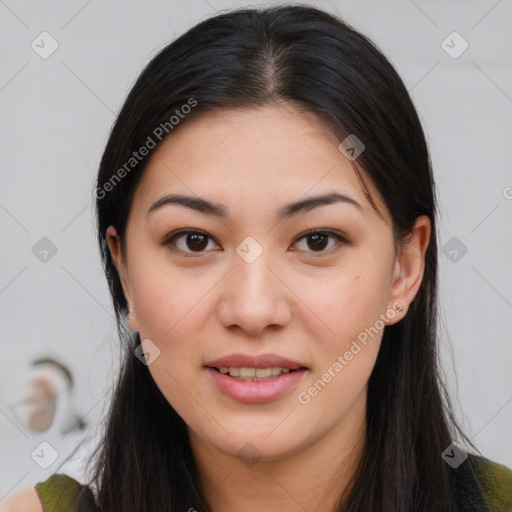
398, 306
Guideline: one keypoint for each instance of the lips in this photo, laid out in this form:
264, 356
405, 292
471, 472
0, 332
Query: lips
256, 392
256, 361
245, 378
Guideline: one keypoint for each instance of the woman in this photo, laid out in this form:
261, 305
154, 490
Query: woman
267, 222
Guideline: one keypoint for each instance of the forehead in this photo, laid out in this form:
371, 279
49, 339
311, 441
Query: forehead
263, 156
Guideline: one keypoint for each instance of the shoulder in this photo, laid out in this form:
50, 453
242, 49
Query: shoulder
23, 501
480, 481
62, 492
494, 481
53, 494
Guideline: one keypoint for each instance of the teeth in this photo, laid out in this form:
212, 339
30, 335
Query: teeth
263, 372
254, 374
245, 372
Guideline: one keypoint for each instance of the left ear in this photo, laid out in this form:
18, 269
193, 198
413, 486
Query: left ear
409, 267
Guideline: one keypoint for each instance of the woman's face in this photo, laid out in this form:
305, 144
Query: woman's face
253, 283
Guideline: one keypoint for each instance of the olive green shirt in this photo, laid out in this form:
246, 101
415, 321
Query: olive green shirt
480, 486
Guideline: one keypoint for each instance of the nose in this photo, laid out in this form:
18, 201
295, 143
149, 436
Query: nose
254, 298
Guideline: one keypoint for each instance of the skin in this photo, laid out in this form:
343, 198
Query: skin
293, 300
23, 501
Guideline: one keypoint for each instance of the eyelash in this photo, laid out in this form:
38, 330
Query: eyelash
170, 240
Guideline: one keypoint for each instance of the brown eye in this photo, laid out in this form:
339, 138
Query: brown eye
317, 241
189, 241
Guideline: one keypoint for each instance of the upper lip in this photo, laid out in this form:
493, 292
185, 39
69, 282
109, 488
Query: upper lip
256, 361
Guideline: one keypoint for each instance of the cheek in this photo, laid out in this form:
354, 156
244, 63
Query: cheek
349, 303
351, 306
338, 389
170, 311
181, 392
347, 351
164, 298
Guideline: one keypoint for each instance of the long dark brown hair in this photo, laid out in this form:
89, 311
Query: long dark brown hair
303, 56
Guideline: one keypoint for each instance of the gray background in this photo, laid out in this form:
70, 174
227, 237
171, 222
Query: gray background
56, 114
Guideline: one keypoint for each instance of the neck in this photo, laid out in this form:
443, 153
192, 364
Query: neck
312, 477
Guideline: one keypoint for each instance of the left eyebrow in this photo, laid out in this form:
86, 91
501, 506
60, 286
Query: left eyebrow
314, 202
218, 210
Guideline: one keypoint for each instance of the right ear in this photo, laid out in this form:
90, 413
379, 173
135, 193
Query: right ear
114, 245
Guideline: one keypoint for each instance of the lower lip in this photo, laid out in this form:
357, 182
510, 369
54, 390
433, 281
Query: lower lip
255, 392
